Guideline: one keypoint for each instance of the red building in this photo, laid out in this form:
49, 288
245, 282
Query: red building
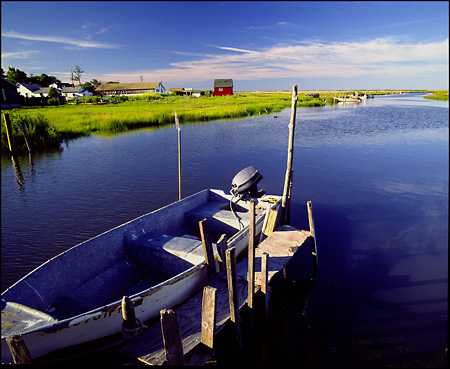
223, 87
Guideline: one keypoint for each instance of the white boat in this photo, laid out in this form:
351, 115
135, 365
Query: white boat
156, 260
347, 99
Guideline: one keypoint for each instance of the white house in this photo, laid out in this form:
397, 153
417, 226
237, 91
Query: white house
28, 89
74, 92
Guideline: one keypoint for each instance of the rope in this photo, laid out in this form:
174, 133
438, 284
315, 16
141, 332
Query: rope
231, 208
129, 334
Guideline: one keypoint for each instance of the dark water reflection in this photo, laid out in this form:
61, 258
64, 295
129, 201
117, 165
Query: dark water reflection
377, 175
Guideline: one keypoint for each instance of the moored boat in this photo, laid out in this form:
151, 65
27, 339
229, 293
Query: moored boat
157, 260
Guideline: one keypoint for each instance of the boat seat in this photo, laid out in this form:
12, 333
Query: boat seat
20, 318
219, 217
169, 254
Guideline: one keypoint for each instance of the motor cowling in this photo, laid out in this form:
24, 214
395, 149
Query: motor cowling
245, 183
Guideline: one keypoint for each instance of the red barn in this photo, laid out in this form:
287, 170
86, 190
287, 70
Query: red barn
223, 87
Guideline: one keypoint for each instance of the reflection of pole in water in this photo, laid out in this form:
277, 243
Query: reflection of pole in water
30, 158
19, 177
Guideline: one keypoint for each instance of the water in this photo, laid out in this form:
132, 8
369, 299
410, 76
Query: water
376, 173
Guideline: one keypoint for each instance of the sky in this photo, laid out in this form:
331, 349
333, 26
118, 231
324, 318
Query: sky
261, 45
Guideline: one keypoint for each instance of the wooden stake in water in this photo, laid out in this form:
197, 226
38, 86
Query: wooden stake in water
179, 155
288, 177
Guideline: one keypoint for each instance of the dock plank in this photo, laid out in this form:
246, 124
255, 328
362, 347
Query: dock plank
280, 245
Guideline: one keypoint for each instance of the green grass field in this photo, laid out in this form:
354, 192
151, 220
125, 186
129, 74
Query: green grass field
48, 126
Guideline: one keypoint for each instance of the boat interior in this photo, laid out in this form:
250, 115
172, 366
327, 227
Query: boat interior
149, 254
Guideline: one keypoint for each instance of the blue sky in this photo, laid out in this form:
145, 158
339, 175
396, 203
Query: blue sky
260, 45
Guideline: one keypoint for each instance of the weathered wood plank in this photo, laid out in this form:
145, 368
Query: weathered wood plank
313, 233
173, 347
209, 316
251, 255
221, 248
18, 350
232, 293
265, 281
207, 248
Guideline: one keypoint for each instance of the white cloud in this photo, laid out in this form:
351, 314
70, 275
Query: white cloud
62, 40
380, 57
19, 54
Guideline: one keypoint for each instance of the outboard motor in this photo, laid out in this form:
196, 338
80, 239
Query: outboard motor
245, 184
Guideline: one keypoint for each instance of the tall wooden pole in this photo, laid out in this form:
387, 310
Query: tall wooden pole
179, 155
9, 135
288, 176
251, 259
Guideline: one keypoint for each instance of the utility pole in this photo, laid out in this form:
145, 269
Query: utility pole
71, 76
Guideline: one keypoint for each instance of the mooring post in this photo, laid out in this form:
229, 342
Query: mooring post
18, 349
264, 281
173, 344
313, 233
221, 248
9, 136
251, 258
24, 131
207, 248
209, 316
179, 155
128, 314
232, 292
288, 177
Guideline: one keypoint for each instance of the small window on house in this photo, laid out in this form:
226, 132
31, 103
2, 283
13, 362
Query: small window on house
4, 96
220, 89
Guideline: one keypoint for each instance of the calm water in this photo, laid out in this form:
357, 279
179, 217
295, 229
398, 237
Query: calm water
376, 173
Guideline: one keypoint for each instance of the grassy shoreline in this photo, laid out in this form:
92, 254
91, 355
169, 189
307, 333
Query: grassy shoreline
48, 127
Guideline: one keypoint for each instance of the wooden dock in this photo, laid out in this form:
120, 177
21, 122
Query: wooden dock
278, 248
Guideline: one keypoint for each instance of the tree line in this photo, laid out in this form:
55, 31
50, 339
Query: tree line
15, 75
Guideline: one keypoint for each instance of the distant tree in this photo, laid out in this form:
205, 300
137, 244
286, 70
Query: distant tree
16, 76
45, 80
77, 74
91, 86
53, 93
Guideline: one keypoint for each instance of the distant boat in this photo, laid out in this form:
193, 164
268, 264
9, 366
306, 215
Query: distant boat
157, 260
348, 99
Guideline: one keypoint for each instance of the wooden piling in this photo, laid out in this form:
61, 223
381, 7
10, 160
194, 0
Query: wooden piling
128, 315
25, 135
208, 316
251, 256
18, 349
179, 155
207, 248
232, 292
9, 136
221, 248
173, 345
313, 233
271, 224
265, 281
288, 176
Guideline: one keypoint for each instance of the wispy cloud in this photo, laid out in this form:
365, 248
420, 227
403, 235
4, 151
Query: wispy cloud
371, 58
400, 24
19, 54
62, 40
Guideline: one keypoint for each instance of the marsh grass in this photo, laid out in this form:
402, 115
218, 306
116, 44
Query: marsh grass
154, 110
438, 95
41, 134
